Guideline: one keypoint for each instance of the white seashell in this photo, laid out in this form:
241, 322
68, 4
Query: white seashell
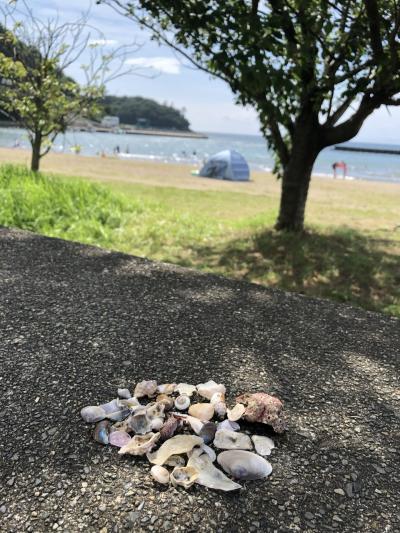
124, 393
208, 389
129, 403
199, 450
244, 465
160, 474
166, 388
156, 424
145, 388
237, 412
185, 388
184, 476
217, 397
220, 409
209, 475
202, 411
182, 402
175, 460
174, 446
140, 444
93, 413
227, 424
139, 423
193, 422
232, 440
155, 410
263, 445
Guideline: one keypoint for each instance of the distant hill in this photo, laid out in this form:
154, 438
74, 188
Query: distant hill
144, 112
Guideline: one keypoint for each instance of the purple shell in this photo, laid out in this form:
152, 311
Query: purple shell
119, 438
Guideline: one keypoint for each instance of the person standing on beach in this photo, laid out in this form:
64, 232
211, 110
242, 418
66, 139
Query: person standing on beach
339, 164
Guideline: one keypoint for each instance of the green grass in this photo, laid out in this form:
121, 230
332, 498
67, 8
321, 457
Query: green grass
221, 232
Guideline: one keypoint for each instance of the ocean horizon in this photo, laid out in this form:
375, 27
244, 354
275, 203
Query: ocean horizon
360, 165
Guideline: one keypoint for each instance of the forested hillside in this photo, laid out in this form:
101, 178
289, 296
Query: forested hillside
140, 111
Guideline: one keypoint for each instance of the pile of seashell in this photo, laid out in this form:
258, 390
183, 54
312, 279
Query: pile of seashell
157, 421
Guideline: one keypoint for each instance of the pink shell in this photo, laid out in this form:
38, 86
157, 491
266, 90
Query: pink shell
119, 438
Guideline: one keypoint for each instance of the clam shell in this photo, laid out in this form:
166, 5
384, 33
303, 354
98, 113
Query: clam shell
184, 476
160, 474
145, 388
217, 397
244, 465
263, 445
203, 449
202, 411
220, 409
93, 413
207, 432
185, 388
208, 389
232, 440
119, 438
174, 446
209, 476
140, 444
101, 432
182, 402
236, 413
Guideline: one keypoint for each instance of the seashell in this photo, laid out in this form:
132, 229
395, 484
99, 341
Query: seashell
156, 424
232, 440
185, 388
166, 400
111, 407
139, 423
207, 432
209, 475
202, 411
182, 402
184, 476
227, 424
155, 410
92, 414
140, 444
119, 438
236, 413
263, 445
145, 388
244, 465
121, 426
124, 393
101, 432
166, 388
175, 460
118, 416
220, 409
217, 397
203, 449
129, 403
208, 389
169, 427
160, 474
263, 408
174, 446
194, 423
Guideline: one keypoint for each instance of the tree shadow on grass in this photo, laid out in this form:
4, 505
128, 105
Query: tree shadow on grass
343, 265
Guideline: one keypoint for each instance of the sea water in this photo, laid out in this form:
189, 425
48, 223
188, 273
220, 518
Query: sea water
360, 165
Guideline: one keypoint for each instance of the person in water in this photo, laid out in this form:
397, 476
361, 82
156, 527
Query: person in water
339, 165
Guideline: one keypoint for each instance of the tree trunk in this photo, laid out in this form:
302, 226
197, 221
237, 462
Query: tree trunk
306, 145
36, 147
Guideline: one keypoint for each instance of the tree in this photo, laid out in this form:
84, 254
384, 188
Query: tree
313, 69
34, 89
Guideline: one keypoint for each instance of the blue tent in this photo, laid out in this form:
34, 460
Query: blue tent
226, 165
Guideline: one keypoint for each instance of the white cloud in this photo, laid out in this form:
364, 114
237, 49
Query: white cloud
102, 42
167, 65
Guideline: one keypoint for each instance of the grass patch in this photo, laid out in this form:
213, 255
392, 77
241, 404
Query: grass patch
220, 232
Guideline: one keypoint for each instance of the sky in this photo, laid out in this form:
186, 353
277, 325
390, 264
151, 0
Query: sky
208, 102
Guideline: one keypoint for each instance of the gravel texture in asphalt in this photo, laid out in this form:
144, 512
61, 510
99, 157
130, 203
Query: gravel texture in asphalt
77, 322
